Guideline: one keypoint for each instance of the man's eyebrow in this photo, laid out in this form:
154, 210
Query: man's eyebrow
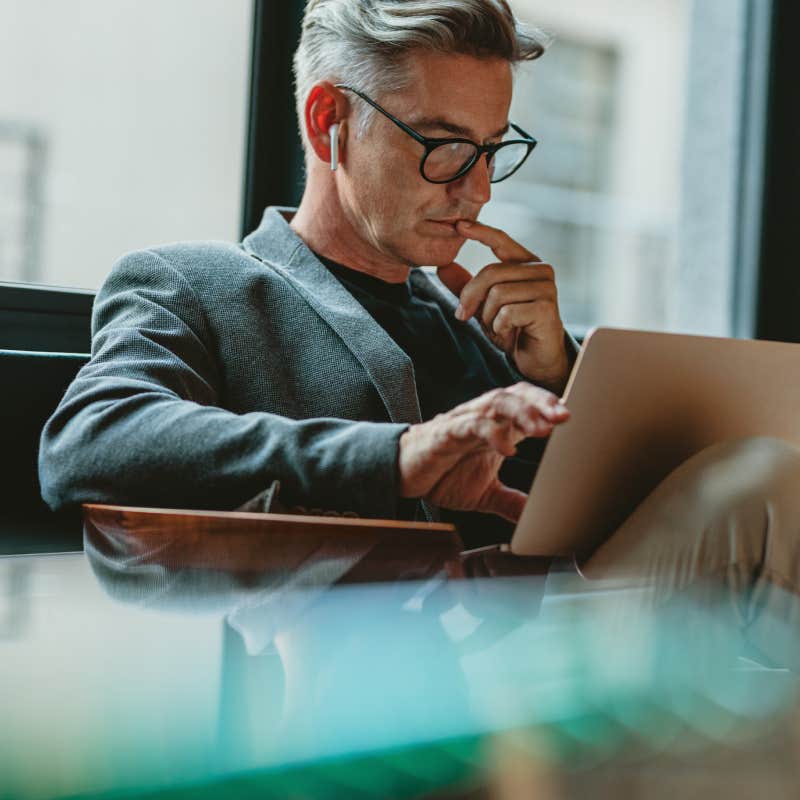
451, 127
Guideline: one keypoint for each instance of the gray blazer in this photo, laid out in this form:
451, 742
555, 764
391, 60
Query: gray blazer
217, 368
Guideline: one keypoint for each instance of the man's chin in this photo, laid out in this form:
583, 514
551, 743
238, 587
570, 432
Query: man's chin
436, 252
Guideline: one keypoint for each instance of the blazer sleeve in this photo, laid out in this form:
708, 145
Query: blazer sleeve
140, 424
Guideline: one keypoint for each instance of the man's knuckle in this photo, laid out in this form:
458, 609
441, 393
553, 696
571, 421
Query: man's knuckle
500, 403
504, 317
547, 271
489, 272
495, 293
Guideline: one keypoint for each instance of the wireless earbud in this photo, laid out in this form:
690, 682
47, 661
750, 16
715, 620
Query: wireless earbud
333, 131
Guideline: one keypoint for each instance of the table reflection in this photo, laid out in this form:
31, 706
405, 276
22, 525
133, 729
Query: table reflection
132, 669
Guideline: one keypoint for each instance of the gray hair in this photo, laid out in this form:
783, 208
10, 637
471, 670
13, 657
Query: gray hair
366, 42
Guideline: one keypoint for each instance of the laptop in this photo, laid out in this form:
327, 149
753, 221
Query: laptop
642, 403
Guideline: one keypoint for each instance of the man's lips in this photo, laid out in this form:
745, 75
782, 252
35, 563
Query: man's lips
446, 227
448, 223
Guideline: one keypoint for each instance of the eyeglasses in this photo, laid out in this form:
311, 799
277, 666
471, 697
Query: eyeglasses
447, 160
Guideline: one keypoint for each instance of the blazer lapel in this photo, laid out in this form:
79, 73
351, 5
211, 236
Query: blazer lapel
390, 369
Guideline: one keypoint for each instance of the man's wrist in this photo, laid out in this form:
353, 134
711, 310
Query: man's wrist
556, 380
404, 442
553, 382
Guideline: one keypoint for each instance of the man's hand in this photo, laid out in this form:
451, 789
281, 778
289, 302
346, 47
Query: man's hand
453, 459
516, 303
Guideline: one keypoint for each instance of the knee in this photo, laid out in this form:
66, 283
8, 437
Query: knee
754, 484
761, 448
731, 509
749, 490
757, 467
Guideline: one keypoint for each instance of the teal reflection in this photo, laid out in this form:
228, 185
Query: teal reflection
401, 688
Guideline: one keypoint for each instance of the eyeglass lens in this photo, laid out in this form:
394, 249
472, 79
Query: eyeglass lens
507, 159
448, 160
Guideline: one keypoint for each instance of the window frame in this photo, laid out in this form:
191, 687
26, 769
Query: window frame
272, 125
45, 318
778, 279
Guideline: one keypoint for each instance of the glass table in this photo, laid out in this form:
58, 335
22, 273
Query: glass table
141, 673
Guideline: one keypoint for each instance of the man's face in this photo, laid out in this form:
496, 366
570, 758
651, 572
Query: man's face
391, 206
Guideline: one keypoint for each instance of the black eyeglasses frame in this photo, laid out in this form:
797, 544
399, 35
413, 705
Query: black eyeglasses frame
430, 144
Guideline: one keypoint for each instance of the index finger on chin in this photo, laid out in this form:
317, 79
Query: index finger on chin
500, 243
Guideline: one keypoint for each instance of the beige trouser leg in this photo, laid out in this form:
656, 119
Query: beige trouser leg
728, 517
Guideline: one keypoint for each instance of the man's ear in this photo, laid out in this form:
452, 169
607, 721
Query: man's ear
325, 106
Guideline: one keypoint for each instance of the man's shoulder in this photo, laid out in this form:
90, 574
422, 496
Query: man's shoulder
202, 263
272, 243
192, 256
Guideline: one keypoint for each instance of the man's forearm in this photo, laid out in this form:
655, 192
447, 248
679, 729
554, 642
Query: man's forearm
152, 449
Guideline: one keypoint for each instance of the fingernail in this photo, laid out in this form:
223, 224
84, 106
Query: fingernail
465, 223
460, 313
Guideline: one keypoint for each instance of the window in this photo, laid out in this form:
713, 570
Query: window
122, 125
22, 159
635, 191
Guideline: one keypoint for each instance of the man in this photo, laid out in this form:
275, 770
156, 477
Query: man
317, 354
216, 369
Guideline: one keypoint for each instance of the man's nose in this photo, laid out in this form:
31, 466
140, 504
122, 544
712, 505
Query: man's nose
475, 186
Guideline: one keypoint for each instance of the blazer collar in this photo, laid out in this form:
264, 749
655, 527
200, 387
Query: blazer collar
275, 244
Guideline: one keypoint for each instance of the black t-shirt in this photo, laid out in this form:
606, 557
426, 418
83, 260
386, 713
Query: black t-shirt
449, 369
